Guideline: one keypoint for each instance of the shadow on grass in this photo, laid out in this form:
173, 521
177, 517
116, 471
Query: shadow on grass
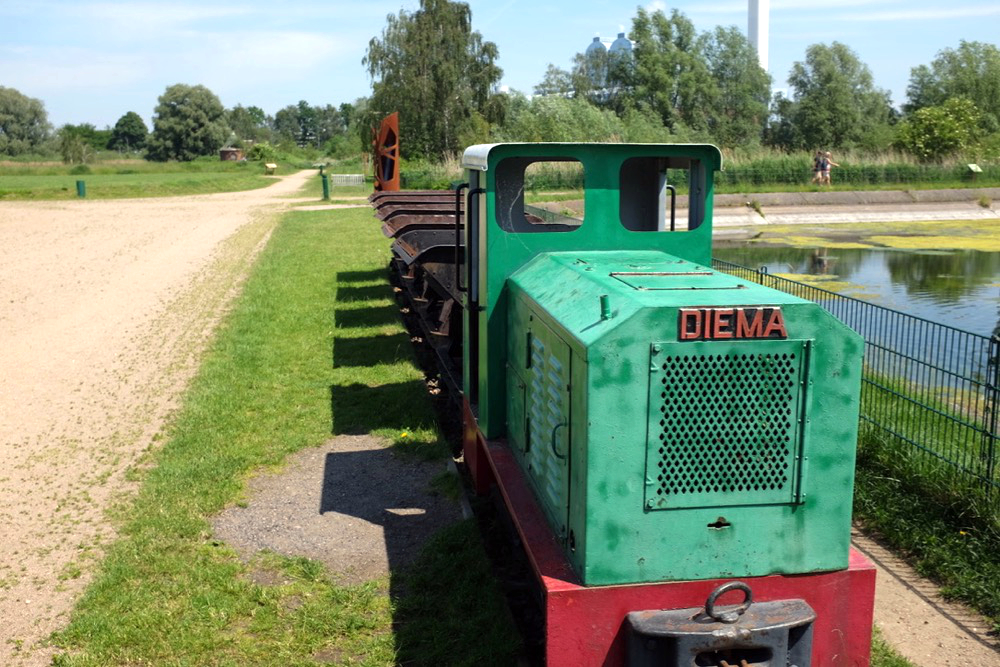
349, 293
449, 610
370, 350
365, 317
344, 277
357, 408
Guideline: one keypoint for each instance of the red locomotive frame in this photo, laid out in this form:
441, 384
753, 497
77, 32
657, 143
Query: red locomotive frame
585, 625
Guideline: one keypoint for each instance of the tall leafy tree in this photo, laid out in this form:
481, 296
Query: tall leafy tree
329, 124
971, 71
438, 73
556, 81
738, 112
189, 121
667, 73
589, 76
298, 123
248, 123
24, 124
835, 102
307, 125
129, 133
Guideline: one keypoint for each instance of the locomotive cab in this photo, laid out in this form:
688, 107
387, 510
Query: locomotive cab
674, 422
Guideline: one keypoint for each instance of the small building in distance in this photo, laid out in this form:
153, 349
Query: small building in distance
230, 154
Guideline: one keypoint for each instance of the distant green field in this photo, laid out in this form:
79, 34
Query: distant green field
128, 179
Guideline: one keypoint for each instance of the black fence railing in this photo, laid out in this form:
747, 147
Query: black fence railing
927, 386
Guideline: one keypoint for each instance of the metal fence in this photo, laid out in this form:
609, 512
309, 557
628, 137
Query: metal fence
347, 179
927, 386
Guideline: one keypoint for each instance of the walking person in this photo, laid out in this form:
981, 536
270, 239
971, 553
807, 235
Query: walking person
818, 168
827, 164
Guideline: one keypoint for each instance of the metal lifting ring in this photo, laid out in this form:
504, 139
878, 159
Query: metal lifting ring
730, 616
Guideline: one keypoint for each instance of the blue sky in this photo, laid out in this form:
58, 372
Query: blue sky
91, 62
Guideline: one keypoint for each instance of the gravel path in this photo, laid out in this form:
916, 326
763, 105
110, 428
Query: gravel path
105, 309
351, 504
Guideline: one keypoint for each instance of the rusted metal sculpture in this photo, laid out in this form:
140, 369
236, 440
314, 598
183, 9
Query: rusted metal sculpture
386, 151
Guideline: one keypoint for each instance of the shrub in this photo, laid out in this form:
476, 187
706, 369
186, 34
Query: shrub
262, 152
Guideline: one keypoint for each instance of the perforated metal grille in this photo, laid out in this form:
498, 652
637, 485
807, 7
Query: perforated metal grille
548, 413
727, 424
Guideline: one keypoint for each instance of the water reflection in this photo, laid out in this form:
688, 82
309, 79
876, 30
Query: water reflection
959, 288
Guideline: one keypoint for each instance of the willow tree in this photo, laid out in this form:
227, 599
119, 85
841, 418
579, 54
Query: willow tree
189, 121
438, 73
24, 125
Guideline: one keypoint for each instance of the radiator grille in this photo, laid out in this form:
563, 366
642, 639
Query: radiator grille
726, 426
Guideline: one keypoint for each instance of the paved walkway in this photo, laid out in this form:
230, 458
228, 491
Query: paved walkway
791, 208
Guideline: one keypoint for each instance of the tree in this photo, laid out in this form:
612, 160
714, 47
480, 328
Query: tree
933, 133
23, 122
738, 113
431, 67
307, 125
248, 123
129, 133
189, 121
667, 73
589, 77
556, 81
329, 124
835, 102
77, 143
297, 123
971, 71
557, 118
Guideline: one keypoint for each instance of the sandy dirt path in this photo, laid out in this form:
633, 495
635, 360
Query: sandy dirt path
105, 308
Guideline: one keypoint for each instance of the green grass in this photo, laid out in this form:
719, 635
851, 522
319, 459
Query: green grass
883, 655
167, 593
945, 527
129, 178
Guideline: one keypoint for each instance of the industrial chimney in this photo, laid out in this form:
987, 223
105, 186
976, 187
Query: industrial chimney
758, 16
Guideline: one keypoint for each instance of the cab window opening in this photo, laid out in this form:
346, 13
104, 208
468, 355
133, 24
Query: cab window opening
661, 194
547, 182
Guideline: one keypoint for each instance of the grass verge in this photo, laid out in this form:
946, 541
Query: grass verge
128, 179
946, 528
167, 593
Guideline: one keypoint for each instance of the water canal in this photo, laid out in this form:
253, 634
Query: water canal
957, 287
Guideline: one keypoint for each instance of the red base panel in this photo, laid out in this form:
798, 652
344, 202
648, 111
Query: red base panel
586, 625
